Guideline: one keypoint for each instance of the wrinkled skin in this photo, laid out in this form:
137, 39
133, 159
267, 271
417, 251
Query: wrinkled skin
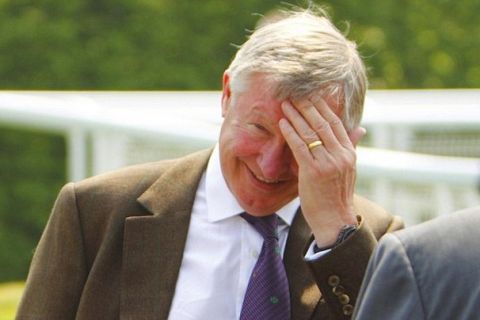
266, 161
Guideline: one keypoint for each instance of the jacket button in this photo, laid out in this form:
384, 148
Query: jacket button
344, 299
347, 309
338, 290
334, 280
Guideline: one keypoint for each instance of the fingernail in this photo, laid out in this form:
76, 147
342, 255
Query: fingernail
286, 104
282, 122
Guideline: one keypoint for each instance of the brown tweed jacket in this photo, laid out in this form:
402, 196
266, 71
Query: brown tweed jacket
113, 246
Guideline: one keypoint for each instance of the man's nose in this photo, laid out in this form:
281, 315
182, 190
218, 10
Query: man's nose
275, 160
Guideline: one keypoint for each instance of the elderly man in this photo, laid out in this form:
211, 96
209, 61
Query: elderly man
264, 226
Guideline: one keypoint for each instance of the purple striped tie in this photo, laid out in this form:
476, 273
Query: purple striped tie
267, 296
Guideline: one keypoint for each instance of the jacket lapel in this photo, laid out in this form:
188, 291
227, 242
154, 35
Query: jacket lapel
304, 293
153, 245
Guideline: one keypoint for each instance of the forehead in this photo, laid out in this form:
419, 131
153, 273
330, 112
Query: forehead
260, 91
258, 94
256, 82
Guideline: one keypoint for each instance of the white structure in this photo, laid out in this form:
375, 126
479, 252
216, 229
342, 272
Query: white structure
113, 129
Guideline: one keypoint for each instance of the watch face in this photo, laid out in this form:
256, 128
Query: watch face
346, 231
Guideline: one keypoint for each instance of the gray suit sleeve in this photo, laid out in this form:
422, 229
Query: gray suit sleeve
389, 290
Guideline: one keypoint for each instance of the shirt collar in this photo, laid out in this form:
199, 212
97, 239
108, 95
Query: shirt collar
221, 203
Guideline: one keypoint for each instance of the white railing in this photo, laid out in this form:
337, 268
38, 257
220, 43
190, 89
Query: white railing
131, 127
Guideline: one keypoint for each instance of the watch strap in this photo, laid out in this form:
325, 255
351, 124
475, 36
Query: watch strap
346, 231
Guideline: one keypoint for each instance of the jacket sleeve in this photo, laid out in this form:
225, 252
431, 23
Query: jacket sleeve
390, 290
58, 269
340, 272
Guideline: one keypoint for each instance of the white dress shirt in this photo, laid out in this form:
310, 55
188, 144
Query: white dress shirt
220, 252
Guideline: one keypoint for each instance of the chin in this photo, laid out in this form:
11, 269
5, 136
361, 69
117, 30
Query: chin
260, 210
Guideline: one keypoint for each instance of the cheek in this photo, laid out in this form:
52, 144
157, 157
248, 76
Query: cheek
244, 145
294, 167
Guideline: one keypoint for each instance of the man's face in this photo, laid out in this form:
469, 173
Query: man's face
256, 162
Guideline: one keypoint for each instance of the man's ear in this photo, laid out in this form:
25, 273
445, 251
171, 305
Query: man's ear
356, 135
226, 93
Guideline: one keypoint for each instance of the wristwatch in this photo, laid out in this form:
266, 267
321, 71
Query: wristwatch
346, 231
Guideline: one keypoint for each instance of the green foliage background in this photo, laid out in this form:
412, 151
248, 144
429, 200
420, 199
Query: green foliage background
186, 45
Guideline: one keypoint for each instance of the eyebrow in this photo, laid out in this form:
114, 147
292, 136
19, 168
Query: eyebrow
258, 113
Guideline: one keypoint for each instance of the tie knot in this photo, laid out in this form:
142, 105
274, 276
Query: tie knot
266, 225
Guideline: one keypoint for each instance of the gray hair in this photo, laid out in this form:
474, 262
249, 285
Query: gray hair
302, 53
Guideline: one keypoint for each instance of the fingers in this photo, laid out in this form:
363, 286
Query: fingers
311, 120
299, 123
323, 120
300, 136
300, 151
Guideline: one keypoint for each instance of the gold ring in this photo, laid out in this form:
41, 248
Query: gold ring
314, 144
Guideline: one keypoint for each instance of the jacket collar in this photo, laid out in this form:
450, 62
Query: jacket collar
176, 188
153, 244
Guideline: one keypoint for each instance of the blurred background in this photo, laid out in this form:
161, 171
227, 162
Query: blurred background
157, 45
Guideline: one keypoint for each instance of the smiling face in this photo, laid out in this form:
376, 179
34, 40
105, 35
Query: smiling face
256, 162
